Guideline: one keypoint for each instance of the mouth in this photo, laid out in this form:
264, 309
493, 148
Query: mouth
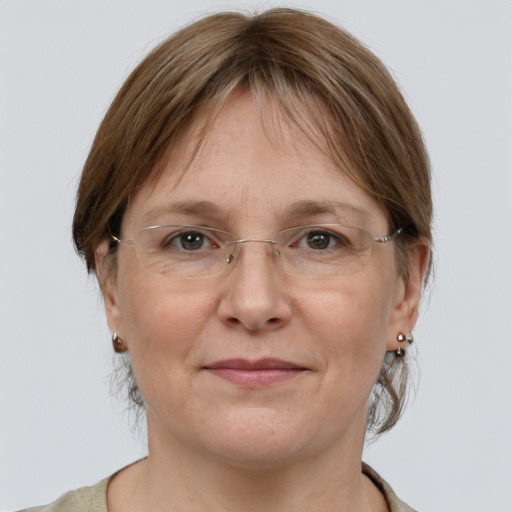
255, 374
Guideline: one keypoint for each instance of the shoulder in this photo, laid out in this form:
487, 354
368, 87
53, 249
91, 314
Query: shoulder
85, 499
395, 504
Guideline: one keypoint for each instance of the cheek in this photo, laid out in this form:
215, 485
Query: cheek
163, 323
351, 324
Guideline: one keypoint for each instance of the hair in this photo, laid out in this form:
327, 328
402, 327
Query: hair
311, 70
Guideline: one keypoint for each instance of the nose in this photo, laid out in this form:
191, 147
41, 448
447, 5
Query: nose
254, 294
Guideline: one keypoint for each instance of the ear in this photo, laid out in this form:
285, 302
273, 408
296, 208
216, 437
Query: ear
107, 281
408, 294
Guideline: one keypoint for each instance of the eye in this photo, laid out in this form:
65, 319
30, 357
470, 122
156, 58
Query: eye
319, 240
188, 241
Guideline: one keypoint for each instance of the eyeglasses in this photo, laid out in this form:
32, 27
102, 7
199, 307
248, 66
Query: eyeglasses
188, 251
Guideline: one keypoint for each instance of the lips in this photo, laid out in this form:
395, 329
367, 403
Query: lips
260, 364
258, 373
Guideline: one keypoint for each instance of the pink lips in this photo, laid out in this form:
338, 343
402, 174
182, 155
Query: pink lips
260, 373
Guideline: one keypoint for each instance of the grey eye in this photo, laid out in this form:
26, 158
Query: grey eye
189, 241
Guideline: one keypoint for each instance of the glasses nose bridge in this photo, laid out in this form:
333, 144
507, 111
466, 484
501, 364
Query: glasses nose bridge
232, 255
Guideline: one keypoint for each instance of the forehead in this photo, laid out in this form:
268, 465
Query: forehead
251, 162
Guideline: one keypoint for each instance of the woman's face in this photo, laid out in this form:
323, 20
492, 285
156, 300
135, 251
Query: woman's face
255, 366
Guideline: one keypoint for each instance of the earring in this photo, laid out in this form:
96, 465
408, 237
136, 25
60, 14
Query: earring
118, 344
409, 338
400, 352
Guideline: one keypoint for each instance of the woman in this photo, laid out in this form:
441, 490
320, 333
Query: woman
256, 207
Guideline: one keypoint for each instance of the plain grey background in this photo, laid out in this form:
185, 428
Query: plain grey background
61, 63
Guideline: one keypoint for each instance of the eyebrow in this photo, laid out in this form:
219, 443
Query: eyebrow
307, 207
198, 208
299, 209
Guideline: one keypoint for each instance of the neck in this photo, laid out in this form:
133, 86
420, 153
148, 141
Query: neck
178, 477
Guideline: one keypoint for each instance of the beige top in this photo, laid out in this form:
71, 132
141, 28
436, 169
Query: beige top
94, 499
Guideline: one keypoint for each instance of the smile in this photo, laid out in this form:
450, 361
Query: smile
260, 373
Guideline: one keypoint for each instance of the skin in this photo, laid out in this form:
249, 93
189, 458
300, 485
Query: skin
294, 445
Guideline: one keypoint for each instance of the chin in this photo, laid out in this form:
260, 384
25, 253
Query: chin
263, 439
253, 455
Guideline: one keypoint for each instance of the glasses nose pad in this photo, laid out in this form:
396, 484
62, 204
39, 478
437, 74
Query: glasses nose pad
232, 253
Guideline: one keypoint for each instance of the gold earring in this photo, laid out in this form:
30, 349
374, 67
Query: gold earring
118, 344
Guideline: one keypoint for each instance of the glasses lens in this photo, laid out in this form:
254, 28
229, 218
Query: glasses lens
325, 250
182, 251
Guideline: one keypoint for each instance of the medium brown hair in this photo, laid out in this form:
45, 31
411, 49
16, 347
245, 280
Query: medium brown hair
304, 64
